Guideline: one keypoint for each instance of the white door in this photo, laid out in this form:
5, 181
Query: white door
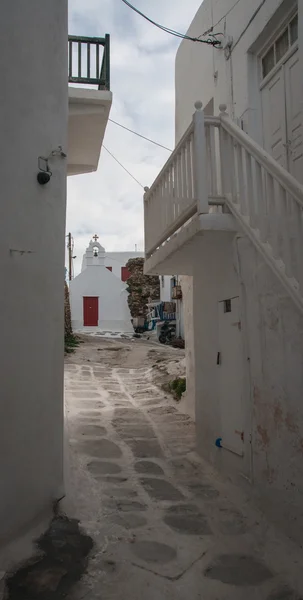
282, 119
274, 118
230, 375
294, 116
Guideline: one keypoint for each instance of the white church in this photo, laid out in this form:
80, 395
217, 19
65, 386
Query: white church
98, 295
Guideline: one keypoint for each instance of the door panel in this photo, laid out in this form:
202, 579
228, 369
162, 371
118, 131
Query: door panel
274, 118
230, 375
294, 116
90, 311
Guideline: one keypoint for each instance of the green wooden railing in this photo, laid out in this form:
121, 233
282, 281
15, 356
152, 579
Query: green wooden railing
88, 61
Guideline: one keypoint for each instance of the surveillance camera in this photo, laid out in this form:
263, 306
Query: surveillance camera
43, 177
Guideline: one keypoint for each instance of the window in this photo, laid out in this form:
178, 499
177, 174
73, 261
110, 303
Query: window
268, 62
227, 306
280, 47
125, 274
293, 30
110, 268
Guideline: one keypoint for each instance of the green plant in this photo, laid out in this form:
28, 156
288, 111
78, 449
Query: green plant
70, 343
178, 387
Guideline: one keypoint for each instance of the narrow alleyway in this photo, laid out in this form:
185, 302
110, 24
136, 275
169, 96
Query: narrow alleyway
163, 526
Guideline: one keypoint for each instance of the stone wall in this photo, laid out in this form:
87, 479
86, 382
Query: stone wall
141, 288
67, 314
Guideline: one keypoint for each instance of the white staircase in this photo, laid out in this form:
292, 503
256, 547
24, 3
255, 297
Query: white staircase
217, 167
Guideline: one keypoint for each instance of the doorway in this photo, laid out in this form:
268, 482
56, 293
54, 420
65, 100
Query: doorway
230, 375
90, 311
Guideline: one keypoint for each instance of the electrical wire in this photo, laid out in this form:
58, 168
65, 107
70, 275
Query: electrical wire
123, 167
211, 42
249, 23
141, 136
210, 30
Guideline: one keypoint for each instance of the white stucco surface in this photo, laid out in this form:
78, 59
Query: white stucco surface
87, 120
95, 280
33, 122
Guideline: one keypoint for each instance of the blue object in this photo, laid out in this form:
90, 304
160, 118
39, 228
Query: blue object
218, 442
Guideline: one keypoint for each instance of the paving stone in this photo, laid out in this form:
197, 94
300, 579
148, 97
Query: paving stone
129, 414
163, 410
186, 518
101, 448
230, 521
154, 552
148, 468
100, 467
89, 413
284, 593
125, 505
89, 404
145, 448
121, 492
129, 520
131, 430
88, 420
92, 430
111, 479
203, 490
238, 570
160, 489
86, 394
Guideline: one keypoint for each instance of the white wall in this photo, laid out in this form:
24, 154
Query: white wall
114, 314
33, 122
117, 260
274, 333
203, 73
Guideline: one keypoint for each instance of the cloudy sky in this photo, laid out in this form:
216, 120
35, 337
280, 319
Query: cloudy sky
109, 202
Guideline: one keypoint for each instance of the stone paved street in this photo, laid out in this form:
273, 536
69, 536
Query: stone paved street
164, 526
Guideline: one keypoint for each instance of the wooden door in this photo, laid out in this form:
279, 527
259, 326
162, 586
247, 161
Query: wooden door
274, 118
90, 311
294, 142
230, 375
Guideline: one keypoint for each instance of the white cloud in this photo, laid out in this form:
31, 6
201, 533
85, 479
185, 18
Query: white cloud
109, 202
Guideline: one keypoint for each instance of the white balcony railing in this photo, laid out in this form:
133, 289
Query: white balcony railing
217, 165
188, 183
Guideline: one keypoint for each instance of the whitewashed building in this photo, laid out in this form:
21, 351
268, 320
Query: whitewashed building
98, 296
48, 131
226, 214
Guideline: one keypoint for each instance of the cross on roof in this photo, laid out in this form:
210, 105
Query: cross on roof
95, 237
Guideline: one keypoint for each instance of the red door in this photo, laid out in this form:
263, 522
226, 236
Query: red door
90, 311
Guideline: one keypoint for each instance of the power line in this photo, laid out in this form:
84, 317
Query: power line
123, 167
141, 136
221, 19
211, 42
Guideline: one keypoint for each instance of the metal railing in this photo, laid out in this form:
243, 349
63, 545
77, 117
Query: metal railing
88, 61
